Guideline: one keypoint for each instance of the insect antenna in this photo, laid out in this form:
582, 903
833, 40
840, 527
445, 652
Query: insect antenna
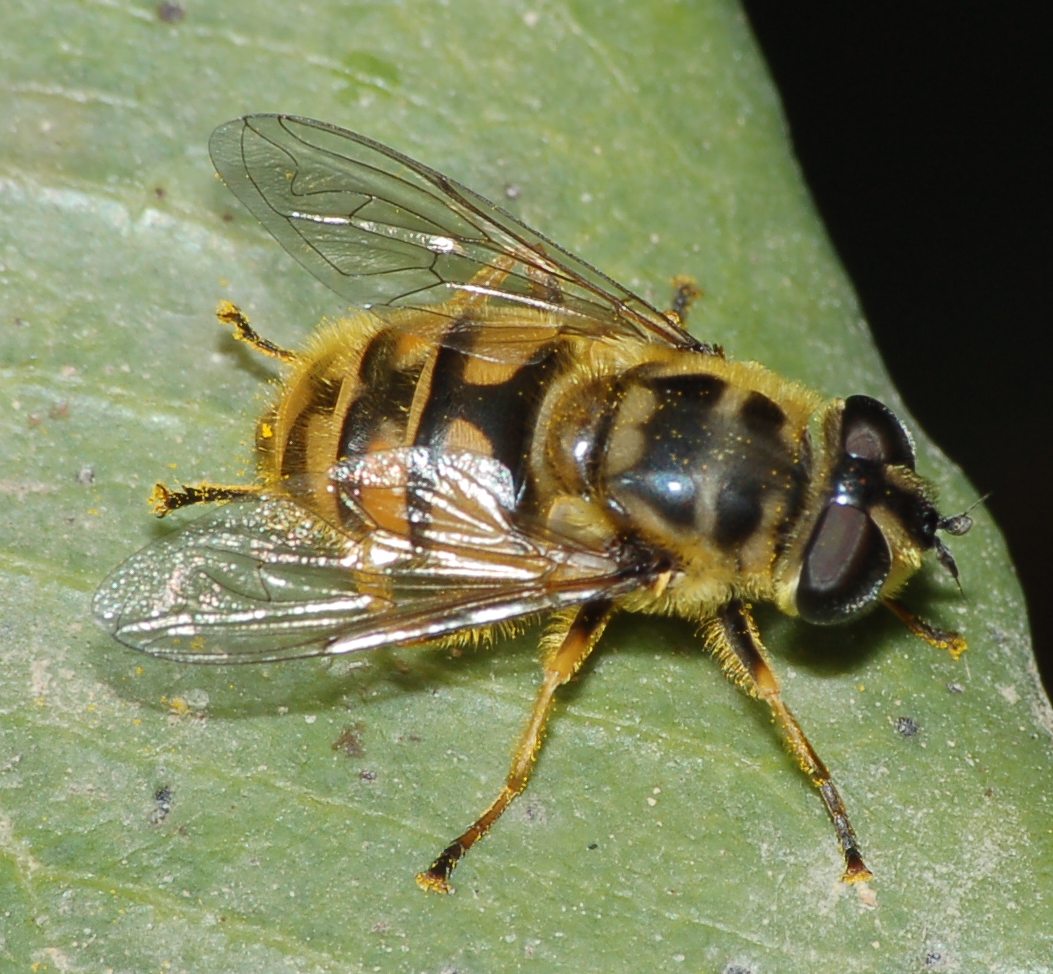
957, 525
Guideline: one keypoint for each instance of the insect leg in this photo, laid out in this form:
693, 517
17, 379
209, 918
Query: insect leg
232, 315
946, 639
732, 636
543, 283
479, 289
571, 644
685, 294
164, 501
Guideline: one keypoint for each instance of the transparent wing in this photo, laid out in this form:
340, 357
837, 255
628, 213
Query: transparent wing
265, 579
382, 229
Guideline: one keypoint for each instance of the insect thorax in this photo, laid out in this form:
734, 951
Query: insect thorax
683, 453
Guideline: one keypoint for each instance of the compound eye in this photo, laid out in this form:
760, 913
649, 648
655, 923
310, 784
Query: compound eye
845, 565
871, 431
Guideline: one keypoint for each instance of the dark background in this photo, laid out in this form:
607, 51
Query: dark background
920, 132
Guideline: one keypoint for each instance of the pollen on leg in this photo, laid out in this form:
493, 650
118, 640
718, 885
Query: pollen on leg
230, 314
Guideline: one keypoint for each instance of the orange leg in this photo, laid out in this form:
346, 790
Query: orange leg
231, 314
953, 642
734, 639
578, 640
164, 501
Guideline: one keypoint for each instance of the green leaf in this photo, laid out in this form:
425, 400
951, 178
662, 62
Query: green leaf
158, 817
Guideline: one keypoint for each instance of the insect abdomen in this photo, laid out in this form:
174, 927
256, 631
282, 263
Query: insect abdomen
369, 385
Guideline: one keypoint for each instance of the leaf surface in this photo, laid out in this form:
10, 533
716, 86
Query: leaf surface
164, 817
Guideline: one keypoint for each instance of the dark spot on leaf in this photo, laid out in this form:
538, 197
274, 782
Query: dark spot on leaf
907, 727
162, 805
350, 741
170, 13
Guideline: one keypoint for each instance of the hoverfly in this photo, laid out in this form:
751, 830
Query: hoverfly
503, 433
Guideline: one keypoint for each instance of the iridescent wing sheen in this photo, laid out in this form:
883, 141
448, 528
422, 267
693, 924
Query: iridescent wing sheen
265, 579
381, 229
